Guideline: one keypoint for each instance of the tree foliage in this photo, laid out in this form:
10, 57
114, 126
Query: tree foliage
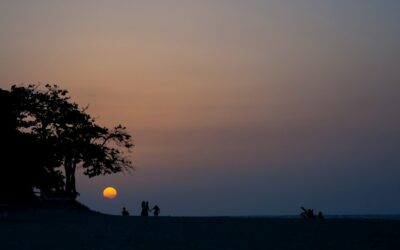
69, 135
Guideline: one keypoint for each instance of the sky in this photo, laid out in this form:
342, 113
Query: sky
237, 107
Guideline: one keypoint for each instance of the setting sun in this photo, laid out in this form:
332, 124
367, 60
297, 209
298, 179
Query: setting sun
109, 193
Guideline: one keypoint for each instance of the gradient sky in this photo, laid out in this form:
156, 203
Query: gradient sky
244, 107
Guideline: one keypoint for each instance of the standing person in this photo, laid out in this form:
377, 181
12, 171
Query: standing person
143, 212
147, 208
156, 210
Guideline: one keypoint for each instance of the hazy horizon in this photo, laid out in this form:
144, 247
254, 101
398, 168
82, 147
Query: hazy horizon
236, 107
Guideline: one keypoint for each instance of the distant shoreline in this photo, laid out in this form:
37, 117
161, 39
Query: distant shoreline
77, 206
328, 216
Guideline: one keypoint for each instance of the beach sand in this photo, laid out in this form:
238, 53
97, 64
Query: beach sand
72, 229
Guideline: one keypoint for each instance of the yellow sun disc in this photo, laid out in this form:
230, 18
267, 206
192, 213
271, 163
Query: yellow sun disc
109, 193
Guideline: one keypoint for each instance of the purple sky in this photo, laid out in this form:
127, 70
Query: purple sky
237, 107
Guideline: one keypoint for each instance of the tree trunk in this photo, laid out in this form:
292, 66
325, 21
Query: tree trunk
72, 180
67, 174
70, 187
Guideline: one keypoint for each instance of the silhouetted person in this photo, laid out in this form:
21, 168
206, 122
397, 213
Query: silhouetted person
143, 211
125, 212
145, 208
156, 210
320, 215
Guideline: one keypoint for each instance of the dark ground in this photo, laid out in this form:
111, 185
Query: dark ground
43, 229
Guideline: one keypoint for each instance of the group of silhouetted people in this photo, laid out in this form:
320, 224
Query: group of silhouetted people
145, 210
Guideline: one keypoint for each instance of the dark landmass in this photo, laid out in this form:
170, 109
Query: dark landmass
78, 228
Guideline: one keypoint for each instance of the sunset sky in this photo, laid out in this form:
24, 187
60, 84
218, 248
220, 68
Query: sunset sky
237, 107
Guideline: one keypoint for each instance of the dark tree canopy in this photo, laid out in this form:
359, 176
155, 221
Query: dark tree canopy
52, 133
25, 161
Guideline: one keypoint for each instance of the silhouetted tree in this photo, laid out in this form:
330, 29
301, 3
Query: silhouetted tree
48, 115
25, 162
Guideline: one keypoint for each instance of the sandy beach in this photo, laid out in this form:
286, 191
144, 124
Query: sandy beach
71, 229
